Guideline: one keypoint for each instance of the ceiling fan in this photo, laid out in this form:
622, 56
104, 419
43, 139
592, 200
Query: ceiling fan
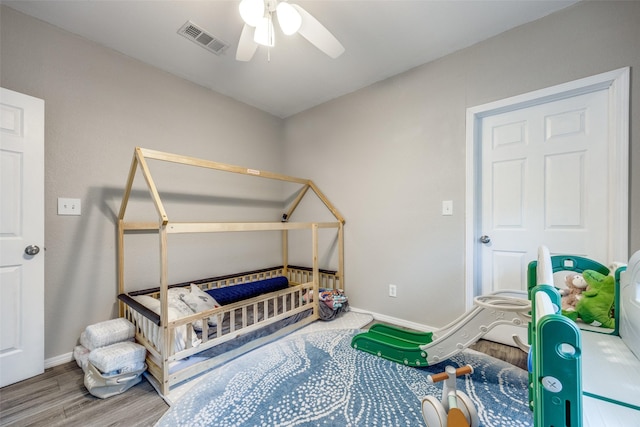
258, 16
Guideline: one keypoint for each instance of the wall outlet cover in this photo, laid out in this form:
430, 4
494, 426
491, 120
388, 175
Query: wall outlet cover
393, 291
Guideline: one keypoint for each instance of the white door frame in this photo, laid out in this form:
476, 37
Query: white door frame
616, 82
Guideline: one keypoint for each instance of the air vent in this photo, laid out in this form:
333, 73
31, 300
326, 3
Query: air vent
200, 37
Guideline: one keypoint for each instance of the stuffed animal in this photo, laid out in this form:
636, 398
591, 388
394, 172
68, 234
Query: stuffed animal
595, 306
573, 292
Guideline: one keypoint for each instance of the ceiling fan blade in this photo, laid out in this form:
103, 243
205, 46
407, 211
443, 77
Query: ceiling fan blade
318, 35
246, 46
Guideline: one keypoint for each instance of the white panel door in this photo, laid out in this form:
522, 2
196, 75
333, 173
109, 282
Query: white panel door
544, 181
21, 236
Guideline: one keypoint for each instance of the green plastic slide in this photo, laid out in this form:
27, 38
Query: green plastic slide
395, 344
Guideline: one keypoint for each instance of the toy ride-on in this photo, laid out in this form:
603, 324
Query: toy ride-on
455, 409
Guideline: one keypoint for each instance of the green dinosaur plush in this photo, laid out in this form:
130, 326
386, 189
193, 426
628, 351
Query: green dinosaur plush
597, 300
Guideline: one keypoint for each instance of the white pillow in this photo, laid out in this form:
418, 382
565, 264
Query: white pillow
151, 303
198, 300
180, 341
179, 291
176, 301
175, 296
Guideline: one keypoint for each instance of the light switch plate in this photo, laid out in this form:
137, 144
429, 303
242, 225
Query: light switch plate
447, 207
68, 206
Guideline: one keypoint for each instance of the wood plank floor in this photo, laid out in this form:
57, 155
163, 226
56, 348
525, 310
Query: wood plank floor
513, 355
58, 398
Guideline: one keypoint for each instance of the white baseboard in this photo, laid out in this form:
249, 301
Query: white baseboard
396, 321
58, 360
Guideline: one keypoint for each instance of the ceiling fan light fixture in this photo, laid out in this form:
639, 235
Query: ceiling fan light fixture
264, 32
292, 19
288, 18
251, 11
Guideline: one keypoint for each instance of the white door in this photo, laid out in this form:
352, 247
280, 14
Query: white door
547, 167
544, 181
21, 236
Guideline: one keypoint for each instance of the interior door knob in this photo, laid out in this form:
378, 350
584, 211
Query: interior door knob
32, 250
485, 239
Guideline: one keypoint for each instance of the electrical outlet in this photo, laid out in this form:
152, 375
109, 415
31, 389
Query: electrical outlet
393, 291
68, 206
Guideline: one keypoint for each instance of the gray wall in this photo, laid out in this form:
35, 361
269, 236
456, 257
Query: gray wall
390, 153
386, 155
99, 105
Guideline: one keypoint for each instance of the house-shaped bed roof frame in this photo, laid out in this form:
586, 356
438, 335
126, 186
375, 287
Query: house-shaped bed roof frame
164, 226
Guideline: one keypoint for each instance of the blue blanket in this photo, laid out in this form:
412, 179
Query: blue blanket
235, 293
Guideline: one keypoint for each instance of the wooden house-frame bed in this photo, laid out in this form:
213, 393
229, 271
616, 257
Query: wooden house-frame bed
175, 351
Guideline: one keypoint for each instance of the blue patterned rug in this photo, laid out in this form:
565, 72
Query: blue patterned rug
317, 379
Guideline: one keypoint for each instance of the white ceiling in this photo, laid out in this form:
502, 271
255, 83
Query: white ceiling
382, 38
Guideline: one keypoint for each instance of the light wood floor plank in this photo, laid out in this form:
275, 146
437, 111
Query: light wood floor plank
58, 398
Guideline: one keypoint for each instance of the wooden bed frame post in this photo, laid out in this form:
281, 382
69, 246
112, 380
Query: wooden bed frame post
285, 253
326, 202
316, 271
120, 265
164, 308
128, 186
123, 209
164, 269
341, 256
152, 187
